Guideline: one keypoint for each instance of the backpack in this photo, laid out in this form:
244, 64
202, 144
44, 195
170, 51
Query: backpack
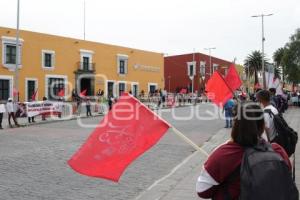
285, 135
265, 175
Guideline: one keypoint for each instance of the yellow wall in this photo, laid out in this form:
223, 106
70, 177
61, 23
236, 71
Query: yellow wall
67, 54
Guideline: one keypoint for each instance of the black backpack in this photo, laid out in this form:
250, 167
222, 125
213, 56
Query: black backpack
265, 175
285, 135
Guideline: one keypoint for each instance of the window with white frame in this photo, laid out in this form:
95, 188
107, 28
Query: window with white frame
4, 89
48, 59
122, 64
122, 88
202, 68
9, 52
54, 86
86, 60
215, 67
135, 89
191, 68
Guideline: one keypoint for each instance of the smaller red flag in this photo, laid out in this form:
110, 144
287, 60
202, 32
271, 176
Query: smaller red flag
257, 86
232, 78
33, 97
83, 93
183, 91
217, 90
61, 93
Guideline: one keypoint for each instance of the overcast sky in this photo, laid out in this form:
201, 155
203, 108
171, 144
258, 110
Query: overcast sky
165, 26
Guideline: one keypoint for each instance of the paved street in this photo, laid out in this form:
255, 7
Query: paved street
33, 159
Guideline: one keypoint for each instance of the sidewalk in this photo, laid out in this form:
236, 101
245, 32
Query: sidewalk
180, 184
38, 119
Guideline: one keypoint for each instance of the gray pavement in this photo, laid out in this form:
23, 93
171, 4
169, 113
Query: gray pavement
33, 160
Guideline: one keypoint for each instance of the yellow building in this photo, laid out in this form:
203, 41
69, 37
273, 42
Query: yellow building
50, 64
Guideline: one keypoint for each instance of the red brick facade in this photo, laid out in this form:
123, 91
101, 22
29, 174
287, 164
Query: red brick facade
176, 71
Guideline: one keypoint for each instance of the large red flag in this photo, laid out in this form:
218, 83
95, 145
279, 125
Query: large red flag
232, 78
183, 91
61, 93
33, 97
125, 133
217, 89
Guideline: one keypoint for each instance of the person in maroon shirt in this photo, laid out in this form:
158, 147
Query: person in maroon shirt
247, 129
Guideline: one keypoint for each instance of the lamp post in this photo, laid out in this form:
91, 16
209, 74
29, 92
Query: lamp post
262, 44
169, 77
84, 19
16, 81
209, 49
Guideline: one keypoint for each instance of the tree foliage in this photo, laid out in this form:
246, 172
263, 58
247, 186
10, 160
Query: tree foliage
253, 64
289, 58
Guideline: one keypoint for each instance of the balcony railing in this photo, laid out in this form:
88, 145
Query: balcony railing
86, 67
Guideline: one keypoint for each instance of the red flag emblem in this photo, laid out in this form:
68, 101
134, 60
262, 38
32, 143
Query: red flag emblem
125, 133
217, 89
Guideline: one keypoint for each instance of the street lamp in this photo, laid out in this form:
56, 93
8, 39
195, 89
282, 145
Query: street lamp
169, 77
16, 81
209, 49
263, 47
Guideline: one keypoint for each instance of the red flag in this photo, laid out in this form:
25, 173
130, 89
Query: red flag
217, 89
125, 133
61, 93
232, 78
83, 93
183, 91
33, 97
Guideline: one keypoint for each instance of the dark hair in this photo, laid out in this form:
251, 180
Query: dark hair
248, 124
272, 90
263, 95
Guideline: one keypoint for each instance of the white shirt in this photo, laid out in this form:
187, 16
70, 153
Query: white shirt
2, 108
10, 107
269, 124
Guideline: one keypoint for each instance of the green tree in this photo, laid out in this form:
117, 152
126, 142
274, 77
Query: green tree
278, 61
253, 64
291, 59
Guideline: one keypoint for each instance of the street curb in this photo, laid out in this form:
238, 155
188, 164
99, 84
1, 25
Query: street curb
74, 117
163, 187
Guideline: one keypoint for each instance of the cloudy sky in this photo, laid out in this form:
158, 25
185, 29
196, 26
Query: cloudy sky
165, 26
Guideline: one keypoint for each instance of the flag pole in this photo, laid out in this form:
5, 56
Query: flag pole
187, 140
175, 130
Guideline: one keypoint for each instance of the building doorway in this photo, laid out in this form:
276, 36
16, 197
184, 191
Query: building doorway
110, 89
87, 84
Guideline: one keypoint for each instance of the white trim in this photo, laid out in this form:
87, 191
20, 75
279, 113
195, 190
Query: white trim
11, 41
215, 66
149, 84
11, 79
36, 86
84, 51
125, 59
194, 63
47, 76
135, 83
44, 51
122, 55
106, 87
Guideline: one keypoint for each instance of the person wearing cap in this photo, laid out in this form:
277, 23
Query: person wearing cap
11, 112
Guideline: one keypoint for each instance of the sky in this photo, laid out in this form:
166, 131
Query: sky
171, 27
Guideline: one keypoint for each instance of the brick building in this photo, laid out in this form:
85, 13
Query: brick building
191, 71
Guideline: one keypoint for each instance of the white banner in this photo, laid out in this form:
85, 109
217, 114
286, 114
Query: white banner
43, 107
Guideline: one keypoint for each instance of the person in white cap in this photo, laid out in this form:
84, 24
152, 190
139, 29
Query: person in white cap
11, 112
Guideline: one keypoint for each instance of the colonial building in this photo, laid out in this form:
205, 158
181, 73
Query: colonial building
191, 71
51, 63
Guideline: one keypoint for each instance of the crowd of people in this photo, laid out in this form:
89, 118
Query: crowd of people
255, 163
